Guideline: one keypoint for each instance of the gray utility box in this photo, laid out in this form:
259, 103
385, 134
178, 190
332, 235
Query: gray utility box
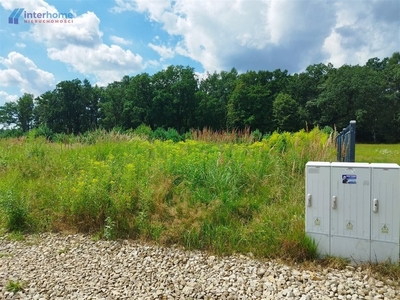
353, 211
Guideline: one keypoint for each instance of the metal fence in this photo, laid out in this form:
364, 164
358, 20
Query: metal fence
346, 143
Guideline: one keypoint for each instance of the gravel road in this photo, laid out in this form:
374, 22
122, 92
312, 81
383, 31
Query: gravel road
55, 266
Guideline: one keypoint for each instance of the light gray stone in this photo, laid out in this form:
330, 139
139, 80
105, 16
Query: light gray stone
55, 266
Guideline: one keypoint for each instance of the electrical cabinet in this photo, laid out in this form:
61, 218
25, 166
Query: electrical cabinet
352, 210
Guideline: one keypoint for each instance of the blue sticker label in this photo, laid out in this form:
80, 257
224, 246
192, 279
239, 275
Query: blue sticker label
349, 178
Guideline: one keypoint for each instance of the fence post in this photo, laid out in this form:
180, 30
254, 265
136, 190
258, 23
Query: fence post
352, 146
339, 146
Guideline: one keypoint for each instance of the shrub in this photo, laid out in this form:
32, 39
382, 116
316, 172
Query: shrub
143, 131
328, 130
257, 135
43, 131
10, 133
16, 211
172, 135
159, 134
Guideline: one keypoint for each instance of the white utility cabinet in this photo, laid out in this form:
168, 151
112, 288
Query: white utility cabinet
353, 210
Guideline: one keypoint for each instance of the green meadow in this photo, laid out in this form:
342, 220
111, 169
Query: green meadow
378, 153
208, 194
215, 192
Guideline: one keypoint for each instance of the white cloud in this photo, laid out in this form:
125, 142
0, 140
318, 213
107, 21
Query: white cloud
155, 8
20, 45
80, 46
363, 31
22, 72
163, 51
151, 64
268, 34
5, 97
107, 63
122, 5
31, 5
84, 31
222, 34
247, 35
120, 41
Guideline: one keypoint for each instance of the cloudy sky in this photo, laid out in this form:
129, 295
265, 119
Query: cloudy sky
108, 39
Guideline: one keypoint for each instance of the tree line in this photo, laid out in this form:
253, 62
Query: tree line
265, 101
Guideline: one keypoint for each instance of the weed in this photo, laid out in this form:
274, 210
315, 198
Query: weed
97, 236
15, 236
109, 229
387, 270
16, 211
334, 262
63, 250
14, 286
6, 255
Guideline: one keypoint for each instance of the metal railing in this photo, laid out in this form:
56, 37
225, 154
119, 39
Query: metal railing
346, 143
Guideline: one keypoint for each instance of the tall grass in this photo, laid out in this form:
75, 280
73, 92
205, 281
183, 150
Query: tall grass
210, 195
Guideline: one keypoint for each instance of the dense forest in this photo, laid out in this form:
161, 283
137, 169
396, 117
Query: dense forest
266, 101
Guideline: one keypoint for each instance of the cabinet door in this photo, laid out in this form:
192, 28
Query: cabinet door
385, 213
317, 205
350, 211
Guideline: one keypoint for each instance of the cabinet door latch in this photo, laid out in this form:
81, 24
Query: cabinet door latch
309, 200
334, 202
375, 206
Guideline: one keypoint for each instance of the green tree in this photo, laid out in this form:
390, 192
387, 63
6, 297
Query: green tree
71, 107
111, 105
90, 100
212, 98
137, 101
305, 88
46, 112
9, 114
25, 112
376, 64
251, 101
355, 92
391, 76
174, 103
286, 113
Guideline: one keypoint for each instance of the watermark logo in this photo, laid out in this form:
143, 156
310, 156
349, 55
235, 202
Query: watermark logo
13, 18
39, 17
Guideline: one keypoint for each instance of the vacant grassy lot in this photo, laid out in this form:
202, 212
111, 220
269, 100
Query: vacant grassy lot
218, 196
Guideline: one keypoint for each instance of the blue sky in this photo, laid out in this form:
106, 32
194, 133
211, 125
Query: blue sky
112, 38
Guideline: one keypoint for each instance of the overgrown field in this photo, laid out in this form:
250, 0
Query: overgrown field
223, 197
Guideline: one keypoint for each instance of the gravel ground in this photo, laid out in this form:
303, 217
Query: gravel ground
54, 266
